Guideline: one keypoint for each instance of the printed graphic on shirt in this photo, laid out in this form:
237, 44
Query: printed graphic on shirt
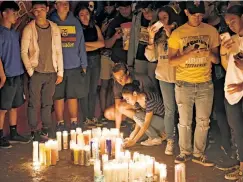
196, 42
143, 36
68, 35
164, 51
126, 28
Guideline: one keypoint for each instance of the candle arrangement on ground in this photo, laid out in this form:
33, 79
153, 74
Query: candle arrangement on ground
103, 148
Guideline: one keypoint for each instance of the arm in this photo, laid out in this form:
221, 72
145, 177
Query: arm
147, 121
175, 58
150, 53
99, 43
224, 61
25, 42
214, 54
2, 74
110, 42
134, 132
118, 115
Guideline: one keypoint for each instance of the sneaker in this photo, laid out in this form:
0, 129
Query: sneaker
169, 150
4, 143
103, 120
203, 161
235, 175
89, 123
61, 126
19, 139
240, 180
39, 136
73, 125
163, 136
230, 153
224, 168
152, 142
97, 122
182, 158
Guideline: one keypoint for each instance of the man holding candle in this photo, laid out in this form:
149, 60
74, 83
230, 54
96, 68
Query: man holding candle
193, 47
41, 51
75, 63
11, 73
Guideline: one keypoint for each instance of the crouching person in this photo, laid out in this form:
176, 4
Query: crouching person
148, 115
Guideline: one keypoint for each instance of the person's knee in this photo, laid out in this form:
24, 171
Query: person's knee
203, 123
109, 114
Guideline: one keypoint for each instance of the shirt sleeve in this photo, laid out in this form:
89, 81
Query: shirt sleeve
1, 47
174, 41
82, 49
150, 103
110, 30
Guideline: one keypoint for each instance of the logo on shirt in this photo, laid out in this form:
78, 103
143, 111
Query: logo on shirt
68, 35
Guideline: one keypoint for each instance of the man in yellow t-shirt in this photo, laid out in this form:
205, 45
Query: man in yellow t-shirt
193, 48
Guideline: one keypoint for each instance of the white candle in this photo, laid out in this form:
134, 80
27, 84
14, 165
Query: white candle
35, 152
59, 140
163, 173
73, 135
118, 147
180, 173
78, 130
65, 139
97, 168
80, 139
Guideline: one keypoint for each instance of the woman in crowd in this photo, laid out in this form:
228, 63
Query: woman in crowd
231, 53
157, 49
93, 42
148, 115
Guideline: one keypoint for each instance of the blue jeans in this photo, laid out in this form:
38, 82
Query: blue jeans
188, 94
168, 94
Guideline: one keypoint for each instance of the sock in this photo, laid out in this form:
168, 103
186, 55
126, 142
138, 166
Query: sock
61, 122
75, 120
1, 133
13, 130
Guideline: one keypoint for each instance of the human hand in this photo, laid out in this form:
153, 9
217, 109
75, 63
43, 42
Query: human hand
2, 80
59, 80
233, 88
129, 143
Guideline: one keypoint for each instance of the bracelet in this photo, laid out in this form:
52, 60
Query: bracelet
223, 54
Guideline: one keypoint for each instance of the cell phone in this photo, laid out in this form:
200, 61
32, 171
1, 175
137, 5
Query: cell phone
158, 25
225, 36
196, 46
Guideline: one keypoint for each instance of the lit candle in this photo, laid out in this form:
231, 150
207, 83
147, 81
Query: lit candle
59, 140
78, 130
81, 156
35, 152
86, 138
80, 139
104, 160
95, 149
180, 173
108, 146
118, 146
87, 155
73, 135
53, 153
65, 139
72, 144
42, 153
163, 173
97, 168
102, 145
48, 153
55, 143
76, 151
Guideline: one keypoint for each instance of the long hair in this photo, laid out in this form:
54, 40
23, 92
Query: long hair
235, 10
173, 18
82, 6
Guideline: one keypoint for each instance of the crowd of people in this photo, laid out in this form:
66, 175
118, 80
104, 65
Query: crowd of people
168, 64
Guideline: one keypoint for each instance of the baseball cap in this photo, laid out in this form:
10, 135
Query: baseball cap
195, 7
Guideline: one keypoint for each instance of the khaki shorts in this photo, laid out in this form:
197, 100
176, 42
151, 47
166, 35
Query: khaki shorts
106, 68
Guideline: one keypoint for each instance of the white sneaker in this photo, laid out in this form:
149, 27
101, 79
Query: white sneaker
169, 150
152, 142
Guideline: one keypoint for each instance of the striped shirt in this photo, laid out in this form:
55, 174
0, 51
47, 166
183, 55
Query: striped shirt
154, 103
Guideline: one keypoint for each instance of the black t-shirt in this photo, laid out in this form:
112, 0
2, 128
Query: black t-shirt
91, 35
118, 54
143, 40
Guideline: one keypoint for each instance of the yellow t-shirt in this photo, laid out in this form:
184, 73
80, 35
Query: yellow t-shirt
195, 69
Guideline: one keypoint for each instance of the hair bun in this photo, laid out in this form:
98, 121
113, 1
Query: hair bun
136, 83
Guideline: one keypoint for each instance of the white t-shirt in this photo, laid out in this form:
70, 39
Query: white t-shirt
234, 75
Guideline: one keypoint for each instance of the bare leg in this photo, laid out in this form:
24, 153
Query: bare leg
13, 117
73, 109
2, 118
59, 110
103, 95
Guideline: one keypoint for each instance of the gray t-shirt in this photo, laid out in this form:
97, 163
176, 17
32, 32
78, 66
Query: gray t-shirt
45, 64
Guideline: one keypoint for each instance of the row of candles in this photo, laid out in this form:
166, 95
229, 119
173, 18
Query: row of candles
140, 168
103, 148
